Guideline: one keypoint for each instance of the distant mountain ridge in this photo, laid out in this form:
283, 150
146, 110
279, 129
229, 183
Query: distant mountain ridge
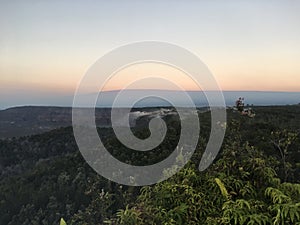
251, 97
106, 98
26, 120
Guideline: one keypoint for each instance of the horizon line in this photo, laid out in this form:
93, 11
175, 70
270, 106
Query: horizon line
157, 89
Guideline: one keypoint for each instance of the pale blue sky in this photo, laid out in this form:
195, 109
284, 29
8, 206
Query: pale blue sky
46, 46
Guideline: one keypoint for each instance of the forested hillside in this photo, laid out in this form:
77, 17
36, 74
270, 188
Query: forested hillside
254, 180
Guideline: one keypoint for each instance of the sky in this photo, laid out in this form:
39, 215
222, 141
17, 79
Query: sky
47, 46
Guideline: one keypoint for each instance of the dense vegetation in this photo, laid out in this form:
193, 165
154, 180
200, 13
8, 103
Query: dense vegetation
254, 180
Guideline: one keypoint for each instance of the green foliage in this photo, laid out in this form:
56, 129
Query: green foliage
277, 196
286, 203
62, 222
222, 188
45, 179
282, 141
129, 216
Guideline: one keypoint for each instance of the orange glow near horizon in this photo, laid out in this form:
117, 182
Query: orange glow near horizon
150, 76
232, 74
